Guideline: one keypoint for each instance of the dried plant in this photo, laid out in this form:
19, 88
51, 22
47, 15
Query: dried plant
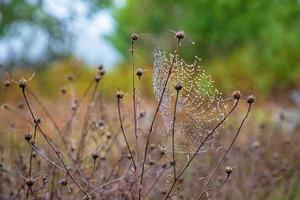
90, 160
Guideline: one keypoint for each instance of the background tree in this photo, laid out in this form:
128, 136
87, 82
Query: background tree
255, 42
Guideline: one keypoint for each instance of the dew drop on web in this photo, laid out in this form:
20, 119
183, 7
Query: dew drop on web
200, 104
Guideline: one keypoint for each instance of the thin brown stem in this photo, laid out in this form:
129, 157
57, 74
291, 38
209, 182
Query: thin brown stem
52, 147
226, 153
198, 149
154, 117
173, 135
49, 116
133, 89
123, 132
91, 176
48, 159
31, 154
33, 194
84, 130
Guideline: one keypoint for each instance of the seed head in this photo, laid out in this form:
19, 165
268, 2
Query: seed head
119, 95
101, 123
163, 152
142, 114
228, 170
139, 72
134, 37
152, 146
251, 99
95, 156
164, 166
236, 95
37, 120
7, 83
100, 67
22, 83
70, 77
179, 35
102, 72
20, 105
63, 90
64, 182
178, 86
28, 136
4, 106
29, 182
97, 77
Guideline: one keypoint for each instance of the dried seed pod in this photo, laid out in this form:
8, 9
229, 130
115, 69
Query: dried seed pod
70, 77
37, 120
119, 95
179, 35
139, 72
29, 182
228, 170
178, 86
97, 77
28, 137
236, 95
63, 90
22, 83
102, 72
251, 99
95, 156
7, 83
134, 37
5, 106
100, 67
64, 182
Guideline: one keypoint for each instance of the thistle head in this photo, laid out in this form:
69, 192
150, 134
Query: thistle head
134, 37
178, 86
251, 99
228, 170
179, 35
120, 94
236, 95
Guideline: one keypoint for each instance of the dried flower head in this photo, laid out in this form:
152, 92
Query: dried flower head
139, 72
236, 95
64, 182
98, 77
22, 83
63, 90
120, 94
134, 37
5, 106
7, 83
228, 170
178, 86
179, 35
251, 99
102, 72
95, 155
37, 120
29, 182
28, 136
100, 67
70, 77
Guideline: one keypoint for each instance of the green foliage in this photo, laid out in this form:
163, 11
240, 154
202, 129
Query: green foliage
253, 42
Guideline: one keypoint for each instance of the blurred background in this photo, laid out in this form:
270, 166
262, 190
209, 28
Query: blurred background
249, 45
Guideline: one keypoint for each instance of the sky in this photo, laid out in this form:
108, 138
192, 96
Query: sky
89, 33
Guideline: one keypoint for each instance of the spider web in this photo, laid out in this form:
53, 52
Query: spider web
200, 104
